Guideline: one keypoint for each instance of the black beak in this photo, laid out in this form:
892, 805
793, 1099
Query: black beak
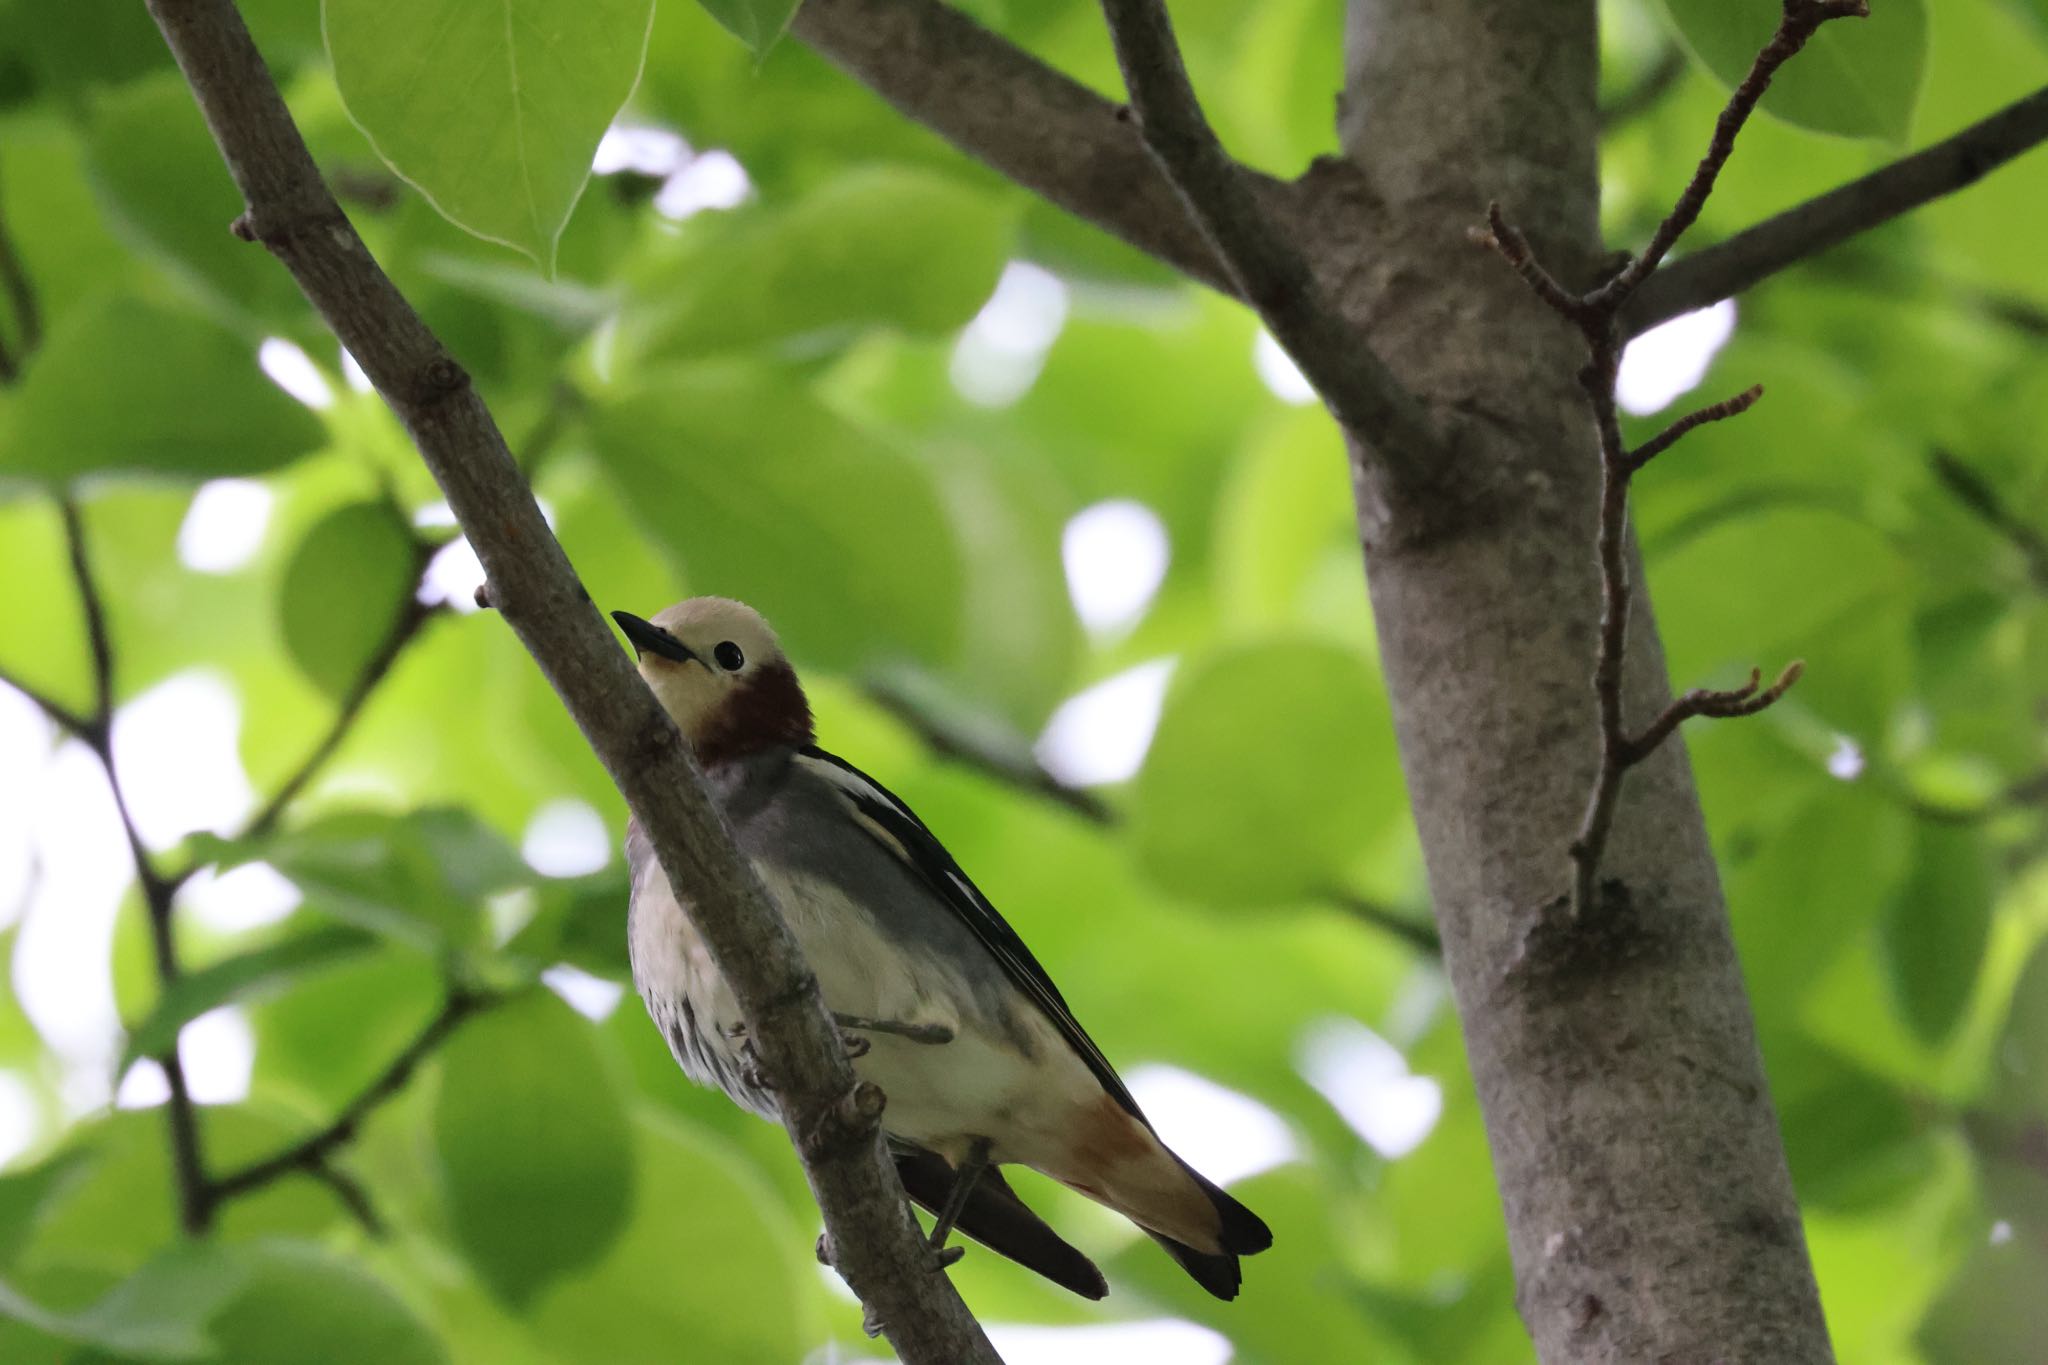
648, 638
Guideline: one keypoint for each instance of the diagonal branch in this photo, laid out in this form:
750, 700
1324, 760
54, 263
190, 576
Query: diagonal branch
1988, 505
1268, 268
834, 1123
1755, 254
1002, 106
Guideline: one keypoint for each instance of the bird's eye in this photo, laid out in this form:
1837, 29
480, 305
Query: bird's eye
729, 657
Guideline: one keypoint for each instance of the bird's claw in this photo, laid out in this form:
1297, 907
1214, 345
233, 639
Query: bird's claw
931, 1035
751, 1070
855, 1045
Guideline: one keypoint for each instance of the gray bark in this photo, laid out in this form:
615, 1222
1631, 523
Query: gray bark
1650, 1213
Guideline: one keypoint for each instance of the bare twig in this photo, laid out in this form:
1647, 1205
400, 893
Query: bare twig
1027, 776
62, 716
1677, 431
1596, 315
312, 1154
1757, 253
158, 890
1972, 490
833, 1122
1269, 270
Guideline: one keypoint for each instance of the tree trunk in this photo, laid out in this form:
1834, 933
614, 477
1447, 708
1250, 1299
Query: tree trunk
1650, 1212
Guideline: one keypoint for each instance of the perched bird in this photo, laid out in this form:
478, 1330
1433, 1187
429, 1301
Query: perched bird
941, 1003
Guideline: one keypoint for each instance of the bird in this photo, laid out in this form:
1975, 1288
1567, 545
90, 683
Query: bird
980, 1059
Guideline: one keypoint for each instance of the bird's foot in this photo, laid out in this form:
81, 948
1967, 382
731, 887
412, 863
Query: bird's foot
751, 1070
855, 1045
931, 1035
870, 1322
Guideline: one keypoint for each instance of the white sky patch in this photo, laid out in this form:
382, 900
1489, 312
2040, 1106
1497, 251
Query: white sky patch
710, 180
1366, 1080
642, 150
25, 740
175, 746
593, 997
21, 1118
144, 1087
219, 1052
1279, 373
1672, 358
1223, 1134
240, 899
352, 373
434, 516
292, 370
566, 838
223, 528
999, 355
452, 576
1115, 555
1101, 735
2001, 1233
1845, 760
1158, 1341
61, 968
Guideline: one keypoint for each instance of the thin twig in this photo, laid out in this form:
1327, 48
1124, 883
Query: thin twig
1799, 21
158, 890
1270, 272
1677, 431
311, 1154
353, 1196
1029, 777
1757, 253
412, 615
1596, 315
62, 716
1974, 492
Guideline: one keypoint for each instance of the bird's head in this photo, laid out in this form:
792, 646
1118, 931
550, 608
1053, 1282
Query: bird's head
719, 672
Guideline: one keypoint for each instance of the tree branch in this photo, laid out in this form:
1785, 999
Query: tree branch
412, 615
1970, 488
1268, 268
1755, 254
834, 1123
1004, 107
314, 1153
188, 1162
21, 298
1597, 316
1021, 774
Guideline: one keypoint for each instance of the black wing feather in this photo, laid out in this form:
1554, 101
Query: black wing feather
928, 857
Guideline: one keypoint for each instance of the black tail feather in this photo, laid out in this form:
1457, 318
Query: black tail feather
1216, 1272
1242, 1233
1000, 1221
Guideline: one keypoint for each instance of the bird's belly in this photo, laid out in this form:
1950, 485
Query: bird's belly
1012, 1080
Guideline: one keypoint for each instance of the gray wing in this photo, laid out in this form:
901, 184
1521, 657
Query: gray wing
896, 828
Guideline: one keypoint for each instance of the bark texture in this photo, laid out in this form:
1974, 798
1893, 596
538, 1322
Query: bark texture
1650, 1214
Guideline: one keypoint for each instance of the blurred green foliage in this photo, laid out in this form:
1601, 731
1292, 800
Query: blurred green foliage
761, 401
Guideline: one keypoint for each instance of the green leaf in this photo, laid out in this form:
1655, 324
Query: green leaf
1993, 1311
579, 922
347, 582
492, 108
884, 246
1272, 768
1856, 77
158, 172
158, 1313
765, 495
1936, 928
235, 978
535, 1153
1853, 1139
418, 879
711, 1257
757, 23
128, 387
2022, 1052
305, 1306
